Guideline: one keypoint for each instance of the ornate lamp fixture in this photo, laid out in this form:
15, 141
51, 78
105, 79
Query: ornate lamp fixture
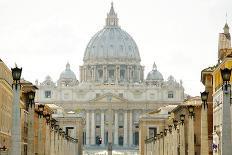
40, 110
31, 97
182, 117
191, 110
175, 122
204, 98
16, 74
170, 128
161, 134
226, 73
165, 132
56, 128
47, 117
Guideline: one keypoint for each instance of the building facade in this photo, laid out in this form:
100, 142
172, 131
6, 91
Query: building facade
112, 91
212, 80
6, 100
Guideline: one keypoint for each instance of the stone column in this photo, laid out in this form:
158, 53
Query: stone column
130, 128
103, 127
125, 136
40, 136
226, 121
165, 144
87, 128
30, 145
16, 126
79, 144
52, 143
158, 146
161, 145
191, 150
93, 128
204, 129
85, 75
175, 141
182, 139
48, 139
116, 128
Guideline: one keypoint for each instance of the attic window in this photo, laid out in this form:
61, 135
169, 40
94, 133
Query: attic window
97, 95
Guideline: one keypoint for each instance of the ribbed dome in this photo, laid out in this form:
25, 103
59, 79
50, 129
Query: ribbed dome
154, 75
68, 74
111, 44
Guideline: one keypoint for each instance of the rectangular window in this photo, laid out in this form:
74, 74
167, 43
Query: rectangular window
152, 132
121, 95
170, 94
47, 94
97, 95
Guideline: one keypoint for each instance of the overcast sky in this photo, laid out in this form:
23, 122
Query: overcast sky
181, 36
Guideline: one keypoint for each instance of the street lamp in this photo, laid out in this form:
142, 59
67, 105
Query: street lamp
40, 131
16, 126
40, 109
170, 128
47, 117
191, 148
165, 132
191, 110
226, 73
182, 117
204, 123
226, 113
16, 74
204, 98
175, 122
31, 113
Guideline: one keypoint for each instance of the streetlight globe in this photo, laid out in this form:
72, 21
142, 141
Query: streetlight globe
31, 95
41, 108
204, 96
226, 73
191, 108
16, 73
182, 117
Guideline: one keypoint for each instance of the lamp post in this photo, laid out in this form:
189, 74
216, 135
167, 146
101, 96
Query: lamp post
182, 137
48, 134
191, 150
31, 113
161, 143
16, 126
175, 138
165, 141
40, 131
226, 113
52, 139
170, 141
158, 144
56, 144
204, 123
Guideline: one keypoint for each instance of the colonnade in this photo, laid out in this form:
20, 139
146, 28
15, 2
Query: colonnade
127, 127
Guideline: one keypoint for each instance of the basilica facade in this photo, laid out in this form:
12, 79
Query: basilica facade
111, 92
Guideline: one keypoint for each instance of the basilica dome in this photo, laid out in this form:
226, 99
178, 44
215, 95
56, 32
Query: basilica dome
67, 74
111, 44
154, 75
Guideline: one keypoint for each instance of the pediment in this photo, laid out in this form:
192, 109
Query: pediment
109, 97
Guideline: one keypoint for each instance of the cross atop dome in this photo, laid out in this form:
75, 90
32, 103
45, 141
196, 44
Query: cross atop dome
154, 66
67, 66
112, 19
